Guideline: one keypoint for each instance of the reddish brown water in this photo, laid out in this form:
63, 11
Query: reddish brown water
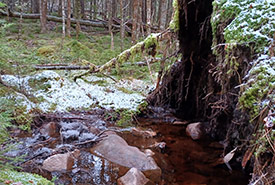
183, 161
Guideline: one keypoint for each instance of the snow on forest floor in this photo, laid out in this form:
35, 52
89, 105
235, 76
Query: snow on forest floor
56, 92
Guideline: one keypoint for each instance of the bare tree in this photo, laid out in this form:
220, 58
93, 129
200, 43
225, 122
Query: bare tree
69, 11
35, 4
43, 15
63, 19
148, 7
77, 15
122, 28
135, 21
110, 22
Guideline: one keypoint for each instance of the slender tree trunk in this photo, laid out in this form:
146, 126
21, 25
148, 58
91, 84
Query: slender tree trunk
21, 20
77, 16
35, 6
110, 22
69, 12
82, 9
122, 31
114, 8
63, 19
149, 3
59, 8
162, 14
43, 14
135, 21
95, 9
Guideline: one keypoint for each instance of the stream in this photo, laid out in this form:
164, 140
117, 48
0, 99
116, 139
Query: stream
81, 133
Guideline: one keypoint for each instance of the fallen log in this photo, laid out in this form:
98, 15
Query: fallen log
60, 67
93, 23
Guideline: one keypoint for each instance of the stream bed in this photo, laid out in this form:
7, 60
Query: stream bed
173, 156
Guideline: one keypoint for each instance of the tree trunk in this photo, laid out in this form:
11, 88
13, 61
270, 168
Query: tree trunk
114, 8
59, 8
95, 10
35, 6
135, 21
82, 9
148, 16
43, 15
122, 29
69, 18
63, 19
110, 22
77, 16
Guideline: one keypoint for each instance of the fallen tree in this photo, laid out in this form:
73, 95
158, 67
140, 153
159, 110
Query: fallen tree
93, 23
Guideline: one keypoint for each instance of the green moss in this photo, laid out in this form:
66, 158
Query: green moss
175, 22
125, 117
46, 50
24, 178
259, 87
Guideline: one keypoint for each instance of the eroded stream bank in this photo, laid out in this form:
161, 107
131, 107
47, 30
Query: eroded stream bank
86, 148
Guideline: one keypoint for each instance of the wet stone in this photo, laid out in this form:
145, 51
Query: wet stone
195, 130
133, 177
60, 162
115, 149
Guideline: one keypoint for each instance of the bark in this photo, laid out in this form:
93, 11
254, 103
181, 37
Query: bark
35, 6
82, 9
163, 14
122, 29
135, 21
110, 22
69, 18
114, 8
149, 3
63, 19
43, 15
77, 15
59, 8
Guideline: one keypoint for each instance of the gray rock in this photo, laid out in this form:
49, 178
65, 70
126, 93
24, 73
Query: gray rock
195, 130
115, 149
133, 177
60, 162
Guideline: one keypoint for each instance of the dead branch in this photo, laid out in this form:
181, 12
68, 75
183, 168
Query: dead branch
60, 67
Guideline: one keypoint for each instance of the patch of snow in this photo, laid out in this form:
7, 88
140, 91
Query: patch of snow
64, 94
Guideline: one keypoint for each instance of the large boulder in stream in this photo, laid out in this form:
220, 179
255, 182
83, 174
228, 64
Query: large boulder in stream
115, 149
134, 177
61, 162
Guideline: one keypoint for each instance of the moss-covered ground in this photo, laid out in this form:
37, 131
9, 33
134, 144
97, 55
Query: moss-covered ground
245, 25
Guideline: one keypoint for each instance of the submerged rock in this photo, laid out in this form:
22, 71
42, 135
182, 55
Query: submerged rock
143, 133
133, 177
60, 162
195, 130
115, 149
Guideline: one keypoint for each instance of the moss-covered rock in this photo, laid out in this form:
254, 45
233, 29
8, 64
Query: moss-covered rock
9, 177
46, 50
